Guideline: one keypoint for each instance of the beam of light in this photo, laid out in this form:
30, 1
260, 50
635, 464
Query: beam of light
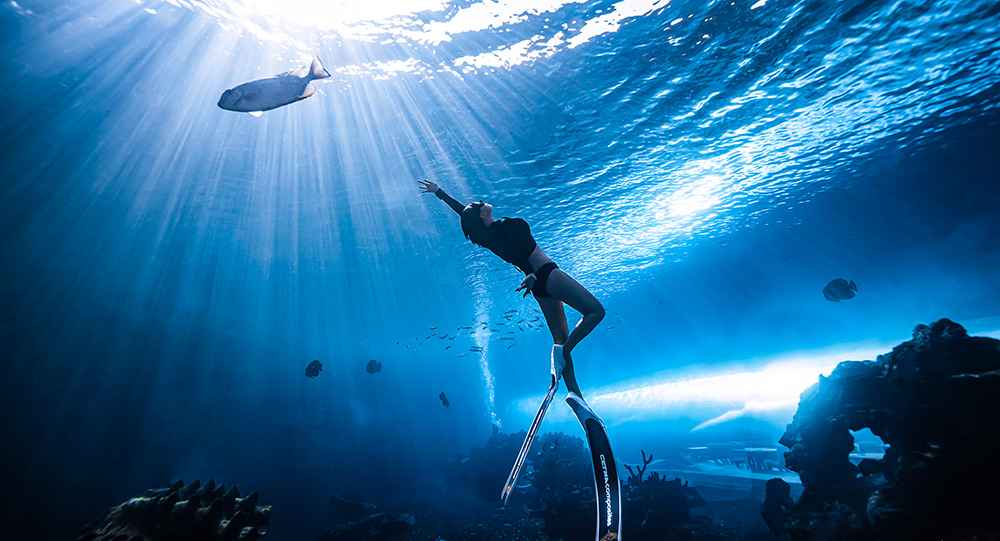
769, 392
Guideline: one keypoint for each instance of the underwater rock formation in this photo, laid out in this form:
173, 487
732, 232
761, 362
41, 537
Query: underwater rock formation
375, 527
352, 506
934, 402
183, 512
657, 509
777, 502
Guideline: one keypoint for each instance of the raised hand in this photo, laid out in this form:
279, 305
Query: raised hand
428, 186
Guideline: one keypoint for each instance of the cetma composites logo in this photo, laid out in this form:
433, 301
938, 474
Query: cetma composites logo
607, 490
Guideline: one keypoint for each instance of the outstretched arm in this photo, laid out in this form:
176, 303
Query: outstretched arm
429, 186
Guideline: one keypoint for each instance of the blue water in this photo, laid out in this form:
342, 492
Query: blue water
704, 168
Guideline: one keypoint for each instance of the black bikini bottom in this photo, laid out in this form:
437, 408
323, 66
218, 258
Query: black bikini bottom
541, 279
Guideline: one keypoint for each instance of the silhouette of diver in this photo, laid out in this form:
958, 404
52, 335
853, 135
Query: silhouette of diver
511, 240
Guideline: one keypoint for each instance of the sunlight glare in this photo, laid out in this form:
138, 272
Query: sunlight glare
769, 393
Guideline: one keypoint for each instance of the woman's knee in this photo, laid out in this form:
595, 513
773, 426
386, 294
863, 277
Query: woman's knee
598, 312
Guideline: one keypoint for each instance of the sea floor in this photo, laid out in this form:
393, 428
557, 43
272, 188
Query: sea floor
726, 520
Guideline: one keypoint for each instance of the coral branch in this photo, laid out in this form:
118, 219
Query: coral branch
633, 478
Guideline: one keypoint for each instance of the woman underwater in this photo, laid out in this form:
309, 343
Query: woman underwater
510, 238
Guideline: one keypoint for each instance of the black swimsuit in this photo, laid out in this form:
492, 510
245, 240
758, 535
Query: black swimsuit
511, 240
542, 278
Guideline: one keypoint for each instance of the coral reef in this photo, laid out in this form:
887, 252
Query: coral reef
561, 493
190, 512
567, 513
555, 461
480, 469
656, 508
555, 485
933, 402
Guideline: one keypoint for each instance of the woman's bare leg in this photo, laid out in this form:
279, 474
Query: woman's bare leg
563, 287
555, 318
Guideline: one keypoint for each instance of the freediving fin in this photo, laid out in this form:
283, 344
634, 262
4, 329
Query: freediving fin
522, 456
606, 484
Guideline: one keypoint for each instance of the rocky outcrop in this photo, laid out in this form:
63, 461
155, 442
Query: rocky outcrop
375, 527
183, 512
935, 402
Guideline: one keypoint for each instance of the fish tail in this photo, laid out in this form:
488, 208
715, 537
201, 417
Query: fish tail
852, 285
318, 71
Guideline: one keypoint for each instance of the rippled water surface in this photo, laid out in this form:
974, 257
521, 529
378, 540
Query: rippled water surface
705, 168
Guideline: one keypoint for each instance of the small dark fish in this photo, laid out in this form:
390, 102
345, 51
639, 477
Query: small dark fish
373, 367
444, 399
314, 369
839, 290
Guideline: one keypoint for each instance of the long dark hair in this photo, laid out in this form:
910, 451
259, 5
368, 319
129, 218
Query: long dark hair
472, 223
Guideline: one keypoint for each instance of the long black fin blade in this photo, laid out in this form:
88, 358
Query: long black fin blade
606, 484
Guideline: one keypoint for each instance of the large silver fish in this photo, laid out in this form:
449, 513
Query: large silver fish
272, 92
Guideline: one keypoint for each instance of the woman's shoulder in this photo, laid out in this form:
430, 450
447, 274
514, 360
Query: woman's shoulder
513, 221
516, 226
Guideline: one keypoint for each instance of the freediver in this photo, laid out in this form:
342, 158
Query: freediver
511, 240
